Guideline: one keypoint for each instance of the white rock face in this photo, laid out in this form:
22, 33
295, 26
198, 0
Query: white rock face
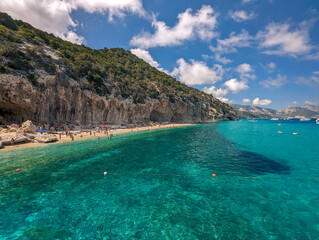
13, 126
13, 129
45, 139
65, 101
28, 127
18, 138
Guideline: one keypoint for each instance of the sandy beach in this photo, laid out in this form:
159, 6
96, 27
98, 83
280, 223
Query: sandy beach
86, 136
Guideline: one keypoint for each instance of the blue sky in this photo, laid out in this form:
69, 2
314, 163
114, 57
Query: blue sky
261, 52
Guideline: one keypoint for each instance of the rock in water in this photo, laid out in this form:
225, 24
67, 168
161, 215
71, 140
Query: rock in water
28, 127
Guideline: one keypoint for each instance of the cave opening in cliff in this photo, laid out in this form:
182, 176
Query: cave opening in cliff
158, 117
11, 114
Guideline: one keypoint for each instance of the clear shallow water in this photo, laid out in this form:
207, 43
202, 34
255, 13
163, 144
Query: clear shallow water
159, 185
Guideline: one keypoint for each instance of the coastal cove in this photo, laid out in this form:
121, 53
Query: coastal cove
94, 135
159, 185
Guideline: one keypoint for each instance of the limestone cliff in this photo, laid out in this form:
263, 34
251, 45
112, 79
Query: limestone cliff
63, 101
48, 80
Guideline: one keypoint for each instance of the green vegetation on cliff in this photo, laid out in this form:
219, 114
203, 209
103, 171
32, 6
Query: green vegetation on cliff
24, 51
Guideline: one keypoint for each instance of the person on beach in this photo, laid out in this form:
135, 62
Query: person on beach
12, 141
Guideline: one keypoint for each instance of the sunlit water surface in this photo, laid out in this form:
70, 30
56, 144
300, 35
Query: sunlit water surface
159, 185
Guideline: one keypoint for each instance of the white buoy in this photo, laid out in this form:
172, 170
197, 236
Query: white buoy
105, 173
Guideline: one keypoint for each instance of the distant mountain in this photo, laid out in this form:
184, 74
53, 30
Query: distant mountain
308, 111
249, 111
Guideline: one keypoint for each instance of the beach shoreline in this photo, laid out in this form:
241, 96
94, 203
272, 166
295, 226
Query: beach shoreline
86, 136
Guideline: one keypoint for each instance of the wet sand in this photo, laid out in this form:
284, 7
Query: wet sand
86, 136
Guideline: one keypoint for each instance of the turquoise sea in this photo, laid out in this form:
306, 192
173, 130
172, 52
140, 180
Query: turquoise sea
159, 185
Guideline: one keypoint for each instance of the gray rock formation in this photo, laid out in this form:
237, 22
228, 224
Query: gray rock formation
45, 139
12, 129
28, 127
18, 138
62, 100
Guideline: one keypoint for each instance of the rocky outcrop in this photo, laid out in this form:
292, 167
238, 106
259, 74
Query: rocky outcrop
27, 133
28, 127
63, 100
18, 138
13, 129
45, 139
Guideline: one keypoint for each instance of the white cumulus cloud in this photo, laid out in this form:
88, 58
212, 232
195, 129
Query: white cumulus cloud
145, 55
236, 86
54, 16
264, 102
241, 16
190, 26
230, 45
246, 100
281, 39
269, 67
245, 71
244, 68
274, 82
222, 60
197, 72
218, 93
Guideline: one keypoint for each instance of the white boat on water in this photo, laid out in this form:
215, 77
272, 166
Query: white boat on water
305, 119
317, 121
274, 119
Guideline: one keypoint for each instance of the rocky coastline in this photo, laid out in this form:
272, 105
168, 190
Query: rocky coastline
27, 132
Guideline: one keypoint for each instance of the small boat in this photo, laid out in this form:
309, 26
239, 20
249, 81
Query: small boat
317, 121
304, 119
274, 119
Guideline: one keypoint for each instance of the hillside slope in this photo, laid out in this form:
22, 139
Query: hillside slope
48, 80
